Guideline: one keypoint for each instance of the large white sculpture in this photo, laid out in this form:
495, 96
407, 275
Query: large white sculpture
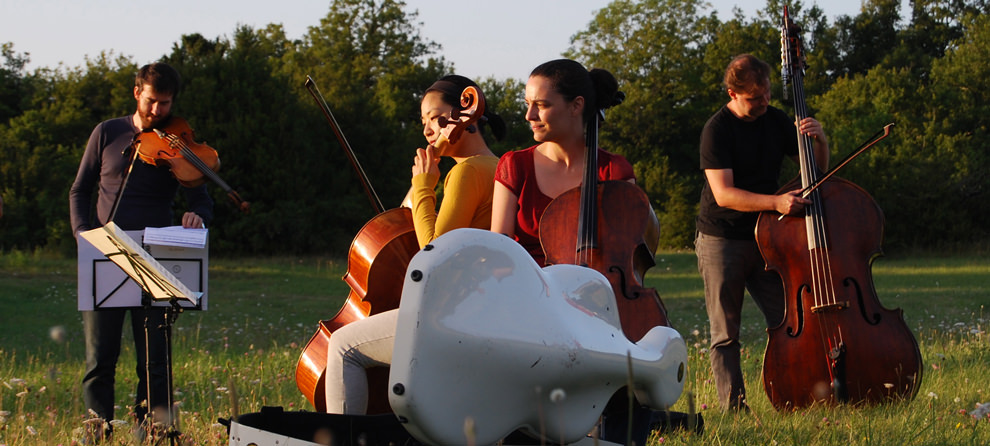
488, 342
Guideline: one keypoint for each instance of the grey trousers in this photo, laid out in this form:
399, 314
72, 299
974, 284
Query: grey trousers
728, 268
353, 348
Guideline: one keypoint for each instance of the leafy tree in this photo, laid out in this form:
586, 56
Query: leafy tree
507, 99
653, 48
862, 41
244, 97
12, 82
41, 148
957, 131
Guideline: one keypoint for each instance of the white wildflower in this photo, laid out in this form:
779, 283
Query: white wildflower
57, 333
557, 395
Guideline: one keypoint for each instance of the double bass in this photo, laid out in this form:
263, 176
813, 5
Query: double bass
617, 235
376, 263
837, 343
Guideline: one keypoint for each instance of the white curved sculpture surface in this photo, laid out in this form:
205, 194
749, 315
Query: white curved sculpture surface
488, 342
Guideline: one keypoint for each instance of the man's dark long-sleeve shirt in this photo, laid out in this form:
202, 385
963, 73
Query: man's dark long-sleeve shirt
148, 196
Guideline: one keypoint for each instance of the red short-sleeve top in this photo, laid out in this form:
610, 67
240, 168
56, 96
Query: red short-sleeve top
515, 171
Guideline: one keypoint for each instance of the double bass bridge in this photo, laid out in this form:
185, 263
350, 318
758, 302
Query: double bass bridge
831, 307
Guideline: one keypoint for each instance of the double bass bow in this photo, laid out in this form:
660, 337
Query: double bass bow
837, 343
616, 235
376, 263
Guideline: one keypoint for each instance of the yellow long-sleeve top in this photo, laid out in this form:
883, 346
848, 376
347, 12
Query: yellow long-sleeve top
467, 198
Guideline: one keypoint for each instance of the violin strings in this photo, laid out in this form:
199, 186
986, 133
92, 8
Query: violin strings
196, 161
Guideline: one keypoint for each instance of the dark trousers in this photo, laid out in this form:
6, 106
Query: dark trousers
103, 329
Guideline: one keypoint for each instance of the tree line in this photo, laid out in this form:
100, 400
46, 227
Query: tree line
923, 70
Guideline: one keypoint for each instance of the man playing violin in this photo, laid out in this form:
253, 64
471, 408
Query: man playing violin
146, 201
742, 147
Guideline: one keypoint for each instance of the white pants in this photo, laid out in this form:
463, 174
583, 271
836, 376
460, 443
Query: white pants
353, 348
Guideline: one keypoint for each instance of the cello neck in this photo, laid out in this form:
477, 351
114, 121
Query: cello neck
587, 220
376, 202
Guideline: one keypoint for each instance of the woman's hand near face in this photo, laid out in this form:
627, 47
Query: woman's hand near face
426, 162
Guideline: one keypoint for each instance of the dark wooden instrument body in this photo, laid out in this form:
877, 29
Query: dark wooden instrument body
191, 167
878, 356
191, 162
837, 343
627, 235
608, 226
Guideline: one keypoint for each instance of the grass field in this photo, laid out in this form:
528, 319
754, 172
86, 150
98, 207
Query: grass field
241, 354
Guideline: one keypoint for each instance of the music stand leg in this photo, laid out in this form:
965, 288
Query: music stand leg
171, 315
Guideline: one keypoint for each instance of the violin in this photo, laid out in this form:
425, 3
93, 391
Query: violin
376, 263
190, 162
617, 235
837, 343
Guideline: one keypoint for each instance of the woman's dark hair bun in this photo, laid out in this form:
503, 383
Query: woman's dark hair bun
607, 92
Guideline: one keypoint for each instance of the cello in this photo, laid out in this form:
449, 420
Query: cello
376, 264
837, 343
617, 235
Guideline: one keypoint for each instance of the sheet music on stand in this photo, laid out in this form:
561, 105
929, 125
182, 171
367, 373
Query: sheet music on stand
160, 284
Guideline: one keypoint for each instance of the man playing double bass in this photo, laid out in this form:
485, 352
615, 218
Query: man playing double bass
742, 148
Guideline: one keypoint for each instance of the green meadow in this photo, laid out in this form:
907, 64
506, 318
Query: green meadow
241, 354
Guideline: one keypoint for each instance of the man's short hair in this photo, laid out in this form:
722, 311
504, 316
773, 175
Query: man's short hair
161, 76
745, 73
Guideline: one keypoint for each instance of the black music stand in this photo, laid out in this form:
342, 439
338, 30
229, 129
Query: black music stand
158, 284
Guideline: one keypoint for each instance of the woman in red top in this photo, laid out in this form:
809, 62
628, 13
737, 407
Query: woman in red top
561, 95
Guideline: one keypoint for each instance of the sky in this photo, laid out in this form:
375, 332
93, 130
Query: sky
482, 38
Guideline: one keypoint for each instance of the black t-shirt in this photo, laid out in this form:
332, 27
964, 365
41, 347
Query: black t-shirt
754, 151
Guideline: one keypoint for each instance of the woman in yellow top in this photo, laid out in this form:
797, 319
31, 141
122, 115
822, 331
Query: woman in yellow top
467, 202
468, 186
